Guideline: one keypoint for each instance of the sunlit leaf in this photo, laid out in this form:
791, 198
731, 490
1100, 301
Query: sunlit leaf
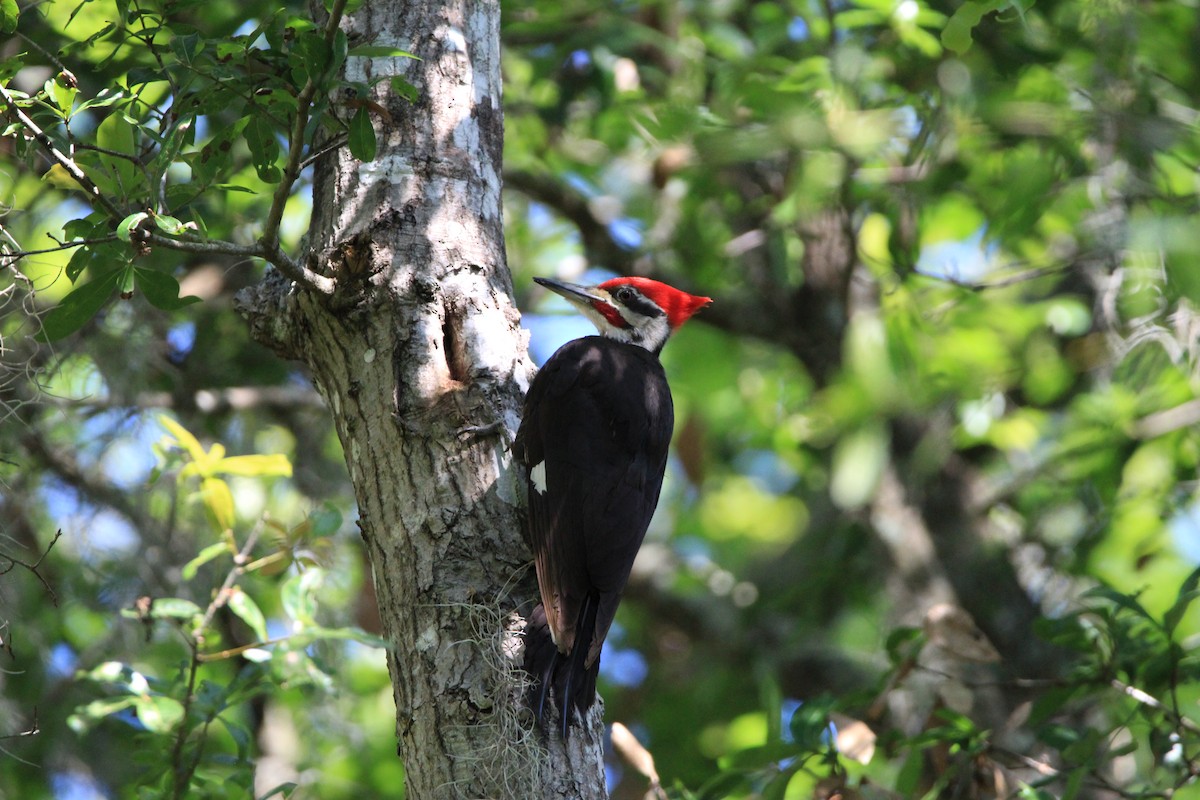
168, 224
957, 33
247, 610
129, 224
255, 466
218, 502
858, 463
184, 438
176, 608
9, 12
159, 714
298, 596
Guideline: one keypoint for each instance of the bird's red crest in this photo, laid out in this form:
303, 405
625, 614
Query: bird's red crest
679, 305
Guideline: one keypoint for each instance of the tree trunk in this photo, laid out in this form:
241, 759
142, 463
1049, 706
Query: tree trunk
421, 359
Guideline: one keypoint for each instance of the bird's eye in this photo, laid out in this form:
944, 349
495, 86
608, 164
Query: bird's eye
624, 294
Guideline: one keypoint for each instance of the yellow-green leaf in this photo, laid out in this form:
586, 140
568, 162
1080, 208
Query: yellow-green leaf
858, 462
184, 438
218, 502
255, 466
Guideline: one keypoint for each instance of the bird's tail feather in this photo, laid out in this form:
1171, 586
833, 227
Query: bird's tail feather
574, 683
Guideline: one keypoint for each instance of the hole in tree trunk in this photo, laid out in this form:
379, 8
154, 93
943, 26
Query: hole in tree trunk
456, 357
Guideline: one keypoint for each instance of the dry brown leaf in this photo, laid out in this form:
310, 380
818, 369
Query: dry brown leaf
855, 739
625, 743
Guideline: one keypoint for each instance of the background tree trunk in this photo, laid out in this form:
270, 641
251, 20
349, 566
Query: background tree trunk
421, 358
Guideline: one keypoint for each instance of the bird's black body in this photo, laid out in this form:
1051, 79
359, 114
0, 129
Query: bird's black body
593, 443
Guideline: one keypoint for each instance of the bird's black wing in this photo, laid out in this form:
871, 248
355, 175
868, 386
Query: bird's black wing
598, 416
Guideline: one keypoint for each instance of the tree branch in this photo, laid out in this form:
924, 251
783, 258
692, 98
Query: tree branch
291, 269
267, 248
598, 244
269, 241
65, 161
209, 401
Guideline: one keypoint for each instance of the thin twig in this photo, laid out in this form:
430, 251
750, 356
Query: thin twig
62, 159
292, 269
269, 242
1149, 700
18, 254
220, 655
333, 144
267, 248
32, 730
222, 596
181, 771
16, 562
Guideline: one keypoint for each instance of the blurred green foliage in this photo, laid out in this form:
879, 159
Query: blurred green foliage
983, 395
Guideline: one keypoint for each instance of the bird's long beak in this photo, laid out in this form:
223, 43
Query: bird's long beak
577, 294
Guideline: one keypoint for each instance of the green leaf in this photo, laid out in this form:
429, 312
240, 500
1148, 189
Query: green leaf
1187, 593
898, 641
101, 257
169, 225
8, 15
118, 135
63, 95
810, 723
858, 461
78, 307
166, 608
161, 290
957, 33
129, 224
316, 633
105, 98
99, 709
380, 51
203, 557
404, 89
126, 283
281, 789
264, 149
248, 611
241, 737
776, 789
1127, 601
298, 596
362, 136
159, 714
326, 521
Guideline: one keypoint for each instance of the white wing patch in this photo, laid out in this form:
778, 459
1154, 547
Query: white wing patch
537, 476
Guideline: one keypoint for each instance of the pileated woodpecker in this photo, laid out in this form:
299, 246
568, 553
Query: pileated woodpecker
593, 444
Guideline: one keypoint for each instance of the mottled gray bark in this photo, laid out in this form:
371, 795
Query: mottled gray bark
422, 361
